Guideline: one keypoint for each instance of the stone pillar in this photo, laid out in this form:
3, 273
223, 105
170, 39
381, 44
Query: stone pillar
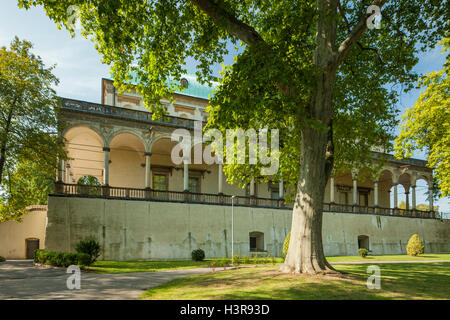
252, 187
106, 151
148, 172
413, 197
331, 190
220, 179
60, 171
407, 198
395, 196
281, 189
430, 195
186, 176
375, 194
355, 190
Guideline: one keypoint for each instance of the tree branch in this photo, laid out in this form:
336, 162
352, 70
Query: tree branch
233, 25
354, 35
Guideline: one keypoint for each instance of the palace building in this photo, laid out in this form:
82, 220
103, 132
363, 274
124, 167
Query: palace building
120, 185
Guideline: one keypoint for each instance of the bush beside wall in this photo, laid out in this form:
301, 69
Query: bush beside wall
61, 259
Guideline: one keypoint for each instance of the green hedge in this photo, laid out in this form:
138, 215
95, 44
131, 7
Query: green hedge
61, 259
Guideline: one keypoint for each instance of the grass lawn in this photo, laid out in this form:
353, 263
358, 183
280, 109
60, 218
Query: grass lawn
398, 281
151, 266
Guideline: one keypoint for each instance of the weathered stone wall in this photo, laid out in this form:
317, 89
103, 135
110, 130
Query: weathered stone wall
129, 230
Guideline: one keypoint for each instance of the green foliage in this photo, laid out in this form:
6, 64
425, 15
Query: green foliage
2, 259
362, 252
426, 125
89, 246
246, 260
198, 255
28, 129
61, 259
84, 259
415, 246
256, 259
236, 260
286, 245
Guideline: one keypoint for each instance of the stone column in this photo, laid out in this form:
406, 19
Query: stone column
281, 189
407, 198
375, 194
395, 196
106, 151
430, 195
220, 179
186, 175
252, 187
148, 172
331, 190
413, 197
355, 190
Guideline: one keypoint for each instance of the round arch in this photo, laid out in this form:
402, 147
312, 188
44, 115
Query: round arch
127, 160
84, 147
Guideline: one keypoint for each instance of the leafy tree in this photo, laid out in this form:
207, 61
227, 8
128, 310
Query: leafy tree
426, 126
307, 68
28, 141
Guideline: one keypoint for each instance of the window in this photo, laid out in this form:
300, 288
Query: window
160, 182
363, 199
256, 241
343, 198
194, 184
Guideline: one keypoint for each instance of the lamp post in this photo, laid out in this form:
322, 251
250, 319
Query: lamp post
232, 230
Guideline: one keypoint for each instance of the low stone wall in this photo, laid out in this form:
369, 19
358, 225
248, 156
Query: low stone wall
13, 234
131, 230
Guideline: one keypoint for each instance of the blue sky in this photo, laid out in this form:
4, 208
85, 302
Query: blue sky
79, 67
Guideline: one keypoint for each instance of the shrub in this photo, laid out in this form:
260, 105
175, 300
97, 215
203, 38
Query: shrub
246, 260
273, 260
224, 262
415, 246
2, 259
84, 259
89, 246
198, 255
256, 259
236, 260
363, 252
286, 245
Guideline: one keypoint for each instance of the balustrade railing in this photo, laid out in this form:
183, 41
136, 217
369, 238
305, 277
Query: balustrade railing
123, 113
205, 198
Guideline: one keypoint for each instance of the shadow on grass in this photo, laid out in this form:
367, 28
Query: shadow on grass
406, 281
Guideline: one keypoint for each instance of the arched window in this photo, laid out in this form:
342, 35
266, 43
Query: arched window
256, 241
363, 242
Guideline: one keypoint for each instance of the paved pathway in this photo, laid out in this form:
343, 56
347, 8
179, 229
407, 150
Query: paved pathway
23, 280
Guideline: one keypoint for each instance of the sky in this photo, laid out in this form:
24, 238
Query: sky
80, 70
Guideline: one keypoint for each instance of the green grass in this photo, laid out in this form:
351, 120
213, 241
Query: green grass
393, 257
151, 266
398, 281
143, 266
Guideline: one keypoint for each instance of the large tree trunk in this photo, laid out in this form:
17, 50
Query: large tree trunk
305, 253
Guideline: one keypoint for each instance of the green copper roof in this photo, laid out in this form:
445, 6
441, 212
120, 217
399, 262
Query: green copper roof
194, 88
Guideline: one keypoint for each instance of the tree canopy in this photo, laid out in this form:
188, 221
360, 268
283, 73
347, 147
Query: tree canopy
426, 125
29, 143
